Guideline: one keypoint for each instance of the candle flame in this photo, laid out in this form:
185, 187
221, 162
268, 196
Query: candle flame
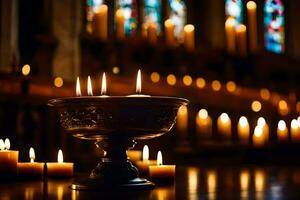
89, 87
2, 145
60, 157
159, 158
224, 117
31, 155
261, 122
7, 144
139, 82
103, 86
258, 131
243, 121
281, 125
78, 90
145, 153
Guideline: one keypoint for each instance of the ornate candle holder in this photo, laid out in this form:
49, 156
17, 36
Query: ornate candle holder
114, 123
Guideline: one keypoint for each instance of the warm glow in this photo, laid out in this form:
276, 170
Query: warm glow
138, 82
261, 122
224, 118
119, 13
230, 22
216, 85
189, 28
241, 28
116, 70
103, 85
169, 23
258, 131
283, 107
193, 179
60, 157
294, 124
203, 114
89, 87
159, 158
200, 82
230, 86
182, 110
244, 180
243, 122
259, 179
298, 119
7, 144
145, 153
265, 94
256, 106
58, 82
26, 70
154, 77
31, 155
251, 5
281, 125
78, 90
171, 79
211, 181
2, 146
187, 80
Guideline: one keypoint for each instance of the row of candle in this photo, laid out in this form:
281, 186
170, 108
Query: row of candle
224, 126
9, 164
100, 29
154, 168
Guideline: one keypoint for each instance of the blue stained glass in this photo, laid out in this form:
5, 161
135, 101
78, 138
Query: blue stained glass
152, 12
130, 11
178, 16
234, 8
274, 26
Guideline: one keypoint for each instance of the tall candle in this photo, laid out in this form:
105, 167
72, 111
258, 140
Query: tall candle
120, 21
282, 131
258, 137
204, 124
243, 130
262, 123
31, 168
241, 37
59, 168
295, 131
182, 120
230, 35
99, 24
252, 26
189, 36
8, 159
224, 125
169, 33
152, 32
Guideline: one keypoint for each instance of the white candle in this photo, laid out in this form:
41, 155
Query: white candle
224, 125
243, 130
99, 24
204, 124
59, 168
241, 38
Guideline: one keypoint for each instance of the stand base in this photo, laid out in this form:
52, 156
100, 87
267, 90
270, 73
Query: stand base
88, 184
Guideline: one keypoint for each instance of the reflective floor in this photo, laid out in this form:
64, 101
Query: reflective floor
192, 182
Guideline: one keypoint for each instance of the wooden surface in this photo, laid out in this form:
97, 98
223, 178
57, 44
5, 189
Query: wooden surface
192, 182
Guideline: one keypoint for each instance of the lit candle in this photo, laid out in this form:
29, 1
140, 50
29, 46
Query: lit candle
282, 131
99, 24
134, 155
182, 119
31, 168
60, 168
262, 123
252, 26
89, 87
152, 32
295, 131
103, 86
189, 36
224, 125
230, 35
161, 171
241, 37
204, 124
78, 90
138, 86
120, 20
8, 159
258, 137
169, 33
243, 130
143, 165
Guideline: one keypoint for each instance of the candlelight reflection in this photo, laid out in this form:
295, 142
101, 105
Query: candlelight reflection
260, 183
244, 184
211, 184
193, 175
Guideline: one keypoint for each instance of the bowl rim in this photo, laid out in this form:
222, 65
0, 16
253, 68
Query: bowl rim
131, 99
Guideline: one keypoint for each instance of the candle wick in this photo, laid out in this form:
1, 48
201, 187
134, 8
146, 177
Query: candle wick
31, 160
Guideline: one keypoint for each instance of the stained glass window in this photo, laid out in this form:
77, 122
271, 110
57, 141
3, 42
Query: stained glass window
234, 8
152, 12
130, 11
91, 8
274, 26
178, 16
